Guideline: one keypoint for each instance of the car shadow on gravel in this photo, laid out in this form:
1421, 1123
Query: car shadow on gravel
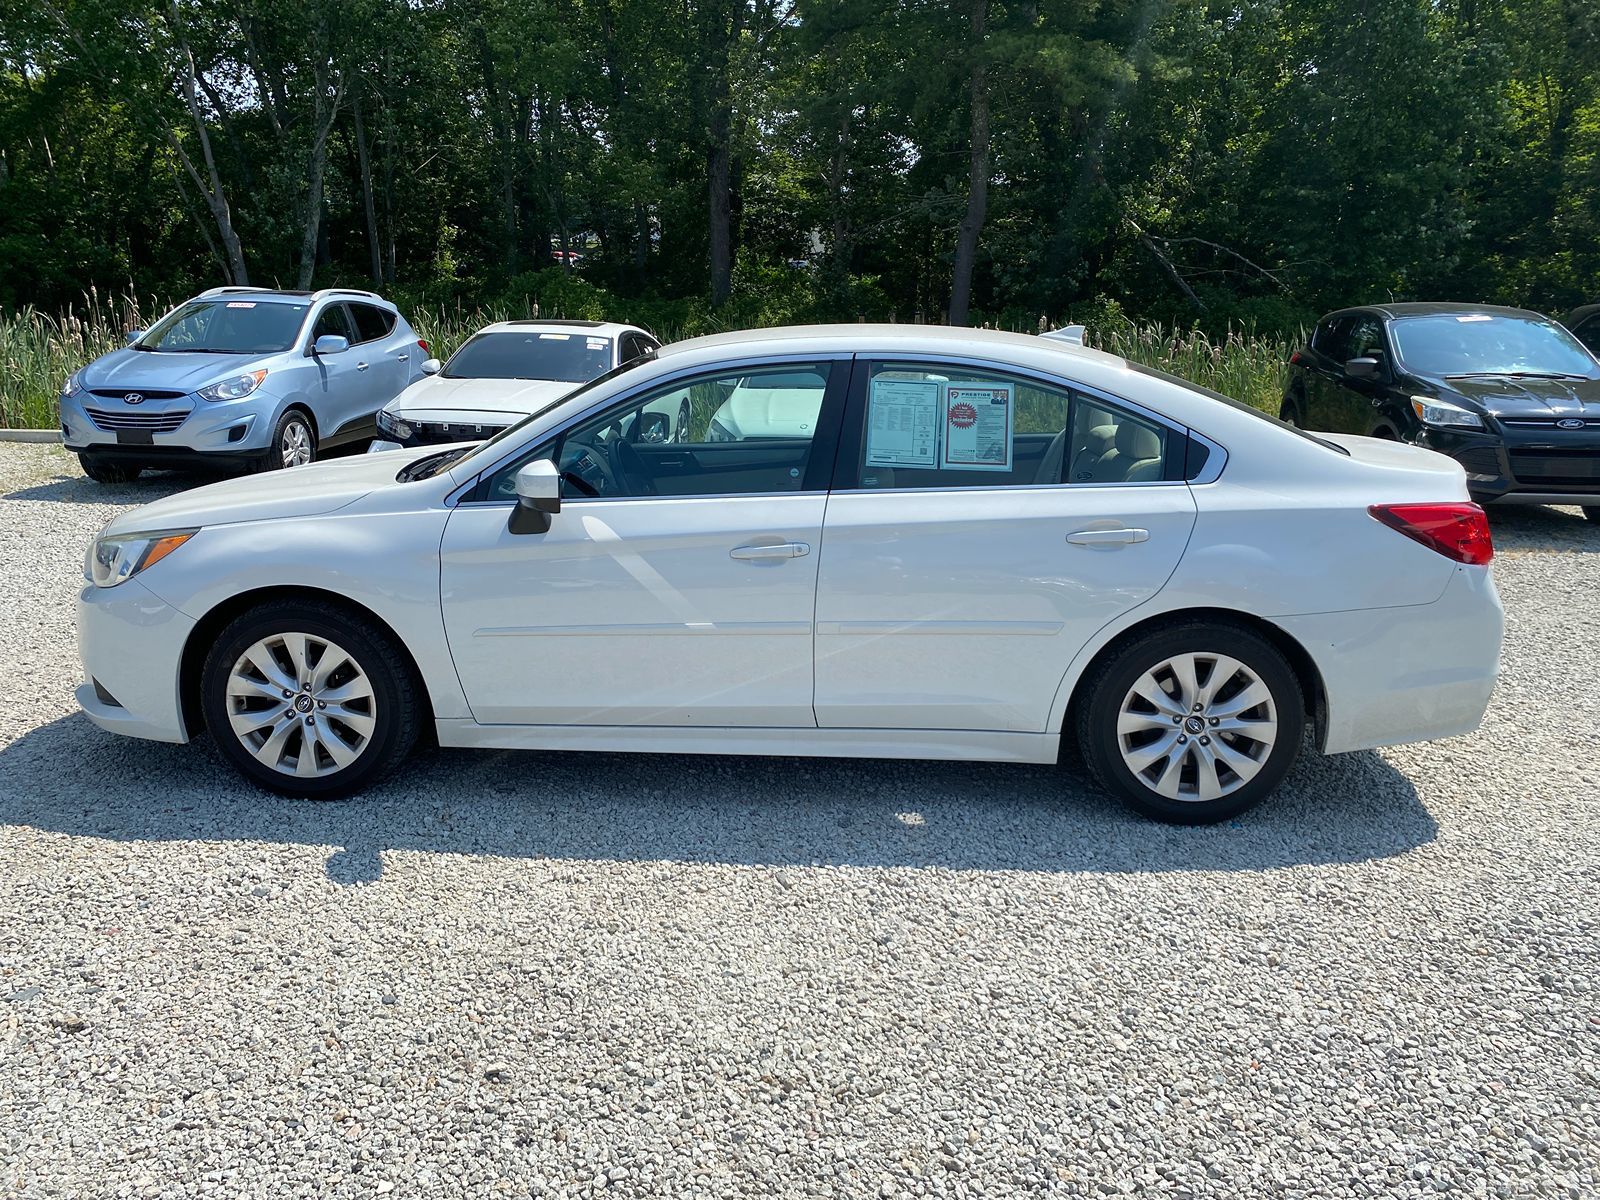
79, 489
72, 778
1542, 528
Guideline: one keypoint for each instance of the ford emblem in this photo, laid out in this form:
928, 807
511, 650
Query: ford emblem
133, 398
1569, 423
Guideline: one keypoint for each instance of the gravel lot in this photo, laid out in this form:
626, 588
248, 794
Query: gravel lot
552, 975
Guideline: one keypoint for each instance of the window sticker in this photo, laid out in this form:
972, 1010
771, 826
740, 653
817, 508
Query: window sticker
241, 303
1475, 317
555, 337
977, 426
903, 423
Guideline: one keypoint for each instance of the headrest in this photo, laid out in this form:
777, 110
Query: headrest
1099, 439
1137, 441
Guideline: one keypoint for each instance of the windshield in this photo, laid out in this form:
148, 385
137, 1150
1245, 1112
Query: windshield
1487, 344
226, 327
565, 357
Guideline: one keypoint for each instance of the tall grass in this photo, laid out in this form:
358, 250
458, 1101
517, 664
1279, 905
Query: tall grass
39, 350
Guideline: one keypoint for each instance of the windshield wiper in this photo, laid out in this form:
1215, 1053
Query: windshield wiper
1517, 375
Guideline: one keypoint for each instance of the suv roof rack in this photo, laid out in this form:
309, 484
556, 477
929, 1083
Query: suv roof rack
556, 321
318, 295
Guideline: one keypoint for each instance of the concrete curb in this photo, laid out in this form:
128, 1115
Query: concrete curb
30, 435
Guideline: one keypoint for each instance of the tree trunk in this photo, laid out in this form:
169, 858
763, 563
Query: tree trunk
209, 186
977, 176
368, 205
327, 111
719, 174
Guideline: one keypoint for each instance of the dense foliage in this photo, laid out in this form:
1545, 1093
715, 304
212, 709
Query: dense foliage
738, 161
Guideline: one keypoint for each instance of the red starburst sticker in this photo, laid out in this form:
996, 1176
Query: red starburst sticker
963, 415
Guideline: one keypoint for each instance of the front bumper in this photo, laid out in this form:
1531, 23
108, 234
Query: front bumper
224, 428
1525, 465
131, 643
434, 433
1408, 674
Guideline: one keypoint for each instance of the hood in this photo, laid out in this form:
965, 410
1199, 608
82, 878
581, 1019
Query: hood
300, 492
436, 398
1501, 396
129, 370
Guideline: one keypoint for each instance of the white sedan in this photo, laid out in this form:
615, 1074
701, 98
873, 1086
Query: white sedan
504, 372
985, 546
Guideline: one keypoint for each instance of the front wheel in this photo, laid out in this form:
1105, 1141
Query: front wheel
1192, 724
101, 471
293, 444
309, 700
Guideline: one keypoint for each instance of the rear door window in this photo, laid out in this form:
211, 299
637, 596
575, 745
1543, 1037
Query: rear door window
372, 322
1332, 338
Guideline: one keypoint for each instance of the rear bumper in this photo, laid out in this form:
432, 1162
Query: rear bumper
130, 641
1407, 674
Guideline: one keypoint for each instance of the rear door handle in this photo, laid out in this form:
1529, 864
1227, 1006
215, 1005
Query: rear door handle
760, 553
402, 358
1108, 537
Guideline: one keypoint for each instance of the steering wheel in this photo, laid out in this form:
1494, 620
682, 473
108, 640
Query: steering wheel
587, 467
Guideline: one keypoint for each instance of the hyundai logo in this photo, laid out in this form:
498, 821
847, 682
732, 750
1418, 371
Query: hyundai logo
133, 398
1569, 423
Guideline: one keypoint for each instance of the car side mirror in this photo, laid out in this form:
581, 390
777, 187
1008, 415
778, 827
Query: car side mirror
133, 335
330, 343
1362, 368
538, 488
431, 366
653, 427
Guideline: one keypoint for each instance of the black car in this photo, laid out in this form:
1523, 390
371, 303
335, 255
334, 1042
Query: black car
1510, 395
1585, 325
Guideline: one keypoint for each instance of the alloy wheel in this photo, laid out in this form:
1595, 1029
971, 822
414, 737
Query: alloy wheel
1197, 727
301, 705
296, 445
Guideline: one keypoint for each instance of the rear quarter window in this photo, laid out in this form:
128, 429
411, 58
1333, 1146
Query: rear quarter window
372, 322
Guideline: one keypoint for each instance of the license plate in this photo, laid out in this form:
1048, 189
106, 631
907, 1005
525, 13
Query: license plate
135, 437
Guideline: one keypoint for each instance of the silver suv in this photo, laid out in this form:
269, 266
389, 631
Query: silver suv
260, 378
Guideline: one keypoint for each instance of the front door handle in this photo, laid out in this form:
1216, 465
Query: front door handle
1108, 537
361, 366
767, 553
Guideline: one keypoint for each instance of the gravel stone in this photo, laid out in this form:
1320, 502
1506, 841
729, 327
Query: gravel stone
555, 975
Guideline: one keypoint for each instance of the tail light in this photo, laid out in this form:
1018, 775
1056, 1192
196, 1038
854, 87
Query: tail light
1294, 359
1459, 530
423, 344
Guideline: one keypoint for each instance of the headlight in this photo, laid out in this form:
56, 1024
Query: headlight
719, 433
114, 559
72, 386
391, 424
1441, 412
236, 388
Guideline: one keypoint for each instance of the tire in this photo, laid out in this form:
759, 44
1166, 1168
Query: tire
1292, 412
102, 471
1593, 513
253, 659
292, 438
1110, 702
685, 415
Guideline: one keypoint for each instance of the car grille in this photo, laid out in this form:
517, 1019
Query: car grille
1479, 460
1556, 466
435, 432
147, 393
155, 422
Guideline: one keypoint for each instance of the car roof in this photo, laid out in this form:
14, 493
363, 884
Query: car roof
1432, 308
1581, 313
881, 339
597, 328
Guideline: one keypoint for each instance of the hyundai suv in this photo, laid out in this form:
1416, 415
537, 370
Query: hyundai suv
1509, 394
258, 378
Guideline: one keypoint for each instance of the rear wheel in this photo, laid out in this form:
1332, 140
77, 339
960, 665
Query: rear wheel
309, 700
1593, 513
102, 471
1192, 724
1293, 412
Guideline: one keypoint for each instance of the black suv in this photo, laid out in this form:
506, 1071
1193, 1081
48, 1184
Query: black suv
1510, 395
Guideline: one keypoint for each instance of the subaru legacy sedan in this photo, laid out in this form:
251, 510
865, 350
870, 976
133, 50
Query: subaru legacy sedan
987, 546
